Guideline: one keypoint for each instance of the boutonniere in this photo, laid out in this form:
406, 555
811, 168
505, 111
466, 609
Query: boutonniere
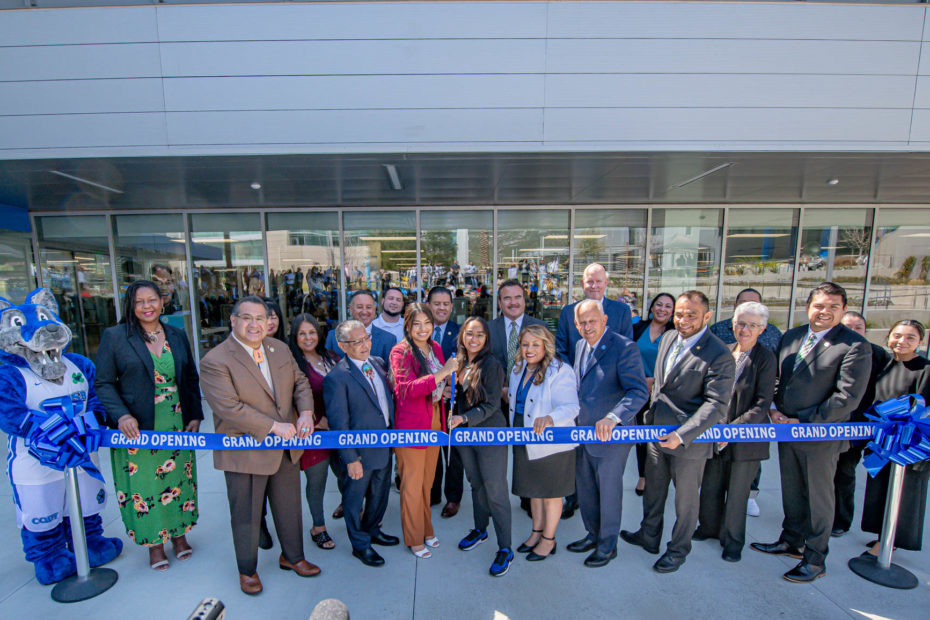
271, 349
826, 344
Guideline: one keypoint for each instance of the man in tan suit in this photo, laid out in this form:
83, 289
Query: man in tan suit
255, 388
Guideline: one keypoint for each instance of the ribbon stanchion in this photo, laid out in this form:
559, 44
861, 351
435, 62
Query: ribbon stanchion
733, 433
902, 437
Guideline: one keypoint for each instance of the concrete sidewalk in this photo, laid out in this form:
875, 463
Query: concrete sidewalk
456, 584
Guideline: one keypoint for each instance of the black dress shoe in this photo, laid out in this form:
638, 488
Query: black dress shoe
636, 538
264, 537
582, 546
598, 559
805, 573
667, 564
640, 492
568, 509
779, 548
525, 548
385, 540
732, 556
369, 557
837, 532
699, 535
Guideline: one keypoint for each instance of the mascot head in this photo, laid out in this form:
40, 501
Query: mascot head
32, 335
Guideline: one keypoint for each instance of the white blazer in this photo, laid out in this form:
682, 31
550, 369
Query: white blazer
556, 396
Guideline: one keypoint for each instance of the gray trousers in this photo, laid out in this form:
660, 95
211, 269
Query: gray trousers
486, 470
724, 493
246, 494
685, 474
807, 497
599, 485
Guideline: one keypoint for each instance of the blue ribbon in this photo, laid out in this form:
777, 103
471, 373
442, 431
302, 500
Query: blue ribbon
902, 434
733, 433
59, 436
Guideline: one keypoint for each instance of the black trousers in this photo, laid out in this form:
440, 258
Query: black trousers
844, 487
724, 493
686, 474
486, 468
807, 497
246, 494
455, 478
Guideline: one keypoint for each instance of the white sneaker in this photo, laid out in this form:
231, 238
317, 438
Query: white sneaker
752, 508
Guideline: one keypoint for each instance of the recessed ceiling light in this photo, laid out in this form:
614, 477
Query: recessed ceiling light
833, 181
256, 185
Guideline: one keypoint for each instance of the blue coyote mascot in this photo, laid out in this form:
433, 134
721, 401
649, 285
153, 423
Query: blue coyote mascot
49, 410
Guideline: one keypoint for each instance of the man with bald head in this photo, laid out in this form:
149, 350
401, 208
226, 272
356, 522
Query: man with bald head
611, 389
619, 317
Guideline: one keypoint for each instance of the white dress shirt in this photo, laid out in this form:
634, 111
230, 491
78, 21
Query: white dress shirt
379, 388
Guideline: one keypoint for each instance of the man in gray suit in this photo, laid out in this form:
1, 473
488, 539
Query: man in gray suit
692, 389
505, 329
823, 372
611, 389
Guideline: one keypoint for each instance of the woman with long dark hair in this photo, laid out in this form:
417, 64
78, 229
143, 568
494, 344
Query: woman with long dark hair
420, 372
306, 343
479, 379
275, 324
646, 335
147, 380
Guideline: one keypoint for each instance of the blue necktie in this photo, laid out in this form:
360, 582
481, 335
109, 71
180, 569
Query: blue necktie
437, 335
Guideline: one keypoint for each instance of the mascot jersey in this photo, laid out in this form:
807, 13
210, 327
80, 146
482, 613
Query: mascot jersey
38, 491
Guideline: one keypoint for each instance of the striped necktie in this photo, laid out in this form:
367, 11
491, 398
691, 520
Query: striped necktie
805, 349
511, 345
740, 366
673, 355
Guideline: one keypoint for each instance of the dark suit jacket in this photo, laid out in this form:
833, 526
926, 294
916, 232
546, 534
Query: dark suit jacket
351, 404
612, 383
499, 338
828, 384
449, 343
751, 402
125, 381
619, 320
381, 343
695, 394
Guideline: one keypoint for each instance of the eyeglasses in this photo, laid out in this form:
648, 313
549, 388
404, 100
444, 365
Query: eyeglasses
354, 343
742, 325
248, 318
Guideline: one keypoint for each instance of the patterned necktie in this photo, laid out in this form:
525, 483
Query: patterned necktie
673, 355
370, 375
437, 335
585, 359
511, 345
805, 349
740, 366
257, 356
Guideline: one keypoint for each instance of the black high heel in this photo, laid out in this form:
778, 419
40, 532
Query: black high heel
535, 557
525, 548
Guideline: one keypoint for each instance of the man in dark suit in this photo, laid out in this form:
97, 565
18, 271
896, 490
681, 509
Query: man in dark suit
692, 389
446, 333
255, 388
358, 397
611, 389
823, 372
362, 308
619, 317
844, 481
505, 329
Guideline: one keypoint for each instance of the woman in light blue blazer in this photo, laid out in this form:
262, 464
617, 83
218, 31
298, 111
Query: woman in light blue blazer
543, 392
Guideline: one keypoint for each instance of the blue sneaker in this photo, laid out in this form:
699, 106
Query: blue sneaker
473, 539
501, 563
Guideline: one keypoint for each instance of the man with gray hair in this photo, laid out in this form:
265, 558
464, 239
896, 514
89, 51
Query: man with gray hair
358, 397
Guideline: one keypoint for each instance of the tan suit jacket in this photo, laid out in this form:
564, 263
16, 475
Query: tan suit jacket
243, 404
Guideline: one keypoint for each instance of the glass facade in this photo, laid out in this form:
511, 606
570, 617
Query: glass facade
312, 257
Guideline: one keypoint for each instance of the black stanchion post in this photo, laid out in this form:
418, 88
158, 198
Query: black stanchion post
879, 569
88, 582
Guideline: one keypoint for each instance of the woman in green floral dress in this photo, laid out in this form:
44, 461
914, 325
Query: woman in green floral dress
147, 375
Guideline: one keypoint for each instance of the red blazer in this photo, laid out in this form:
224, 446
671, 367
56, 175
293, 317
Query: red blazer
413, 400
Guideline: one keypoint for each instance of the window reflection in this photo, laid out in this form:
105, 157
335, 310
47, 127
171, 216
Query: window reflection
900, 271
760, 255
17, 277
381, 251
684, 251
532, 247
458, 246
75, 261
227, 264
834, 247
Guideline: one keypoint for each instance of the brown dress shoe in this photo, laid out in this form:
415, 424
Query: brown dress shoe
450, 510
301, 567
250, 584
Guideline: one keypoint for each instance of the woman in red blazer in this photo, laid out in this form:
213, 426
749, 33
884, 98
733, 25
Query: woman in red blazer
419, 373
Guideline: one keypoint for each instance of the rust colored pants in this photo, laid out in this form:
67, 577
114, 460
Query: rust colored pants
417, 468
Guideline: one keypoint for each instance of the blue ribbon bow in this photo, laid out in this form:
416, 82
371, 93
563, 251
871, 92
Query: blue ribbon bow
60, 437
902, 435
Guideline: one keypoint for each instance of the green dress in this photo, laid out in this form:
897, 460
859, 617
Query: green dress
157, 489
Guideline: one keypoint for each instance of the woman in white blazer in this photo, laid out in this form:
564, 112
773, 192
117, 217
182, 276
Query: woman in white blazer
543, 392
